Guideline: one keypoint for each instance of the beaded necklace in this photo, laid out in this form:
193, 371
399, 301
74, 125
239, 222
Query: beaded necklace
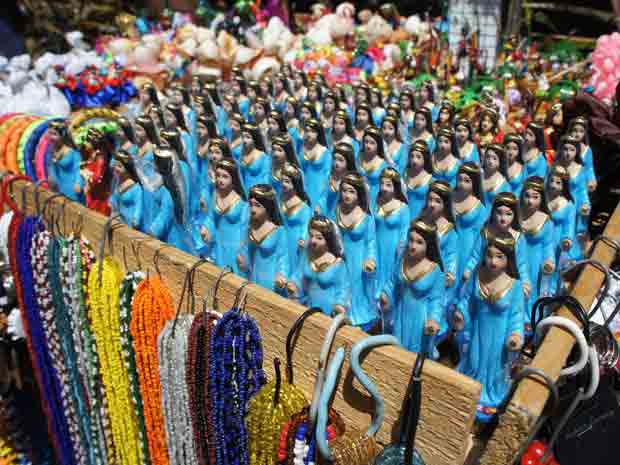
104, 295
151, 308
128, 288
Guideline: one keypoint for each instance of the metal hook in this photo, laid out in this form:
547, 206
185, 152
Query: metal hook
181, 298
214, 302
238, 295
607, 240
293, 332
603, 269
192, 277
106, 236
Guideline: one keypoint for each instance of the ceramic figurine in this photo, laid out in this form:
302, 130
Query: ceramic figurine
157, 115
127, 197
282, 152
495, 167
534, 155
204, 107
362, 94
316, 161
264, 258
344, 101
491, 309
300, 85
503, 218
357, 227
363, 115
276, 127
239, 89
554, 128
578, 129
265, 88
255, 163
128, 137
393, 109
173, 116
488, 131
234, 135
144, 160
281, 92
343, 161
64, 170
253, 94
395, 149
96, 171
418, 177
261, 108
228, 108
206, 133
315, 96
426, 99
291, 114
372, 162
331, 105
321, 278
445, 116
407, 115
342, 131
513, 146
392, 223
414, 292
183, 171
446, 161
296, 212
538, 230
468, 150
376, 103
423, 128
306, 113
180, 97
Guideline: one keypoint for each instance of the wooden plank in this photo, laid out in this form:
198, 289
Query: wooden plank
449, 398
531, 395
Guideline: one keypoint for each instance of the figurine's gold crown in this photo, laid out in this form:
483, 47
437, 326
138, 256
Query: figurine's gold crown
354, 179
534, 182
390, 173
580, 120
506, 242
321, 224
441, 187
372, 131
446, 132
226, 164
516, 138
505, 199
420, 146
423, 226
312, 123
470, 168
560, 172
497, 149
291, 171
264, 191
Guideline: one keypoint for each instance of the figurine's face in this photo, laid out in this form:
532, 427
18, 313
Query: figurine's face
462, 134
464, 183
53, 136
512, 151
405, 103
444, 144
444, 116
234, 125
313, 95
348, 195
316, 241
287, 185
264, 88
578, 132
416, 159
176, 97
169, 119
486, 123
530, 137
435, 205
305, 114
330, 105
258, 213
361, 97
140, 133
416, 245
491, 161
279, 86
278, 154
558, 118
311, 136
273, 126
340, 163
374, 99
495, 260
391, 112
251, 93
387, 187
216, 153
236, 88
202, 131
223, 179
227, 106
420, 122
503, 217
389, 131
248, 141
569, 153
555, 184
299, 82
532, 199
362, 117
340, 126
424, 95
290, 110
259, 111
370, 145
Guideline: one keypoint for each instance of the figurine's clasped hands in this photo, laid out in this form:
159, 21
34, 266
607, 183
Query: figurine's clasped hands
514, 342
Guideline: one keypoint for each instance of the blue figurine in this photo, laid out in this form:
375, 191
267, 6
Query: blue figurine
64, 172
445, 118
342, 131
223, 113
276, 127
363, 116
534, 158
467, 148
491, 310
515, 173
316, 161
321, 278
407, 115
426, 98
343, 162
281, 91
423, 128
127, 196
180, 96
392, 223
578, 129
128, 143
282, 152
418, 177
495, 171
228, 216
264, 259
190, 188
173, 115
146, 137
446, 161
306, 113
357, 227
296, 212
291, 115
255, 163
239, 89
372, 162
376, 103
538, 230
331, 105
206, 134
395, 149
314, 97
414, 292
235, 135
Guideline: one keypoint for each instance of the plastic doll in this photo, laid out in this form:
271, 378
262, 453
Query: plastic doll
445, 116
407, 115
468, 150
392, 223
446, 161
343, 161
315, 96
64, 171
418, 177
281, 92
538, 231
495, 171
291, 112
376, 103
426, 98
277, 127
296, 212
330, 107
415, 289
470, 211
264, 258
321, 279
343, 132
363, 115
372, 161
357, 227
127, 197
316, 161
534, 157
282, 152
174, 120
579, 130
491, 310
239, 89
488, 129
569, 157
513, 145
503, 218
423, 128
300, 85
396, 150
234, 135
255, 163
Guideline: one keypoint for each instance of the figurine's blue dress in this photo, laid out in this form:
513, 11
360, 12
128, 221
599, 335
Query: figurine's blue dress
65, 174
587, 157
392, 228
536, 167
201, 170
416, 197
430, 141
221, 120
516, 182
406, 129
145, 166
236, 151
329, 201
373, 180
579, 190
448, 248
412, 303
489, 195
191, 150
539, 248
128, 202
400, 158
258, 171
315, 174
323, 287
468, 226
298, 139
564, 228
229, 232
448, 175
192, 123
164, 226
491, 320
203, 219
296, 221
359, 242
378, 115
267, 258
244, 107
473, 155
